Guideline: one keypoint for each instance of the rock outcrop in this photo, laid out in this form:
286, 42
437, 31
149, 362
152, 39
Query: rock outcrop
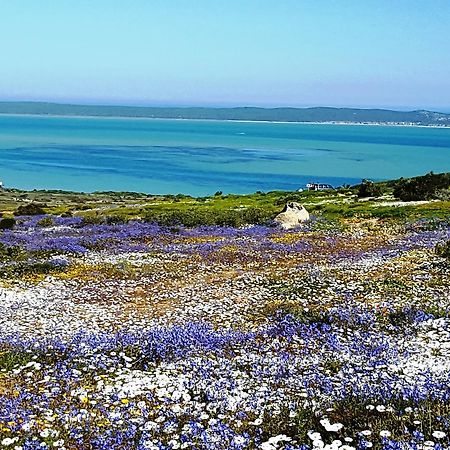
292, 216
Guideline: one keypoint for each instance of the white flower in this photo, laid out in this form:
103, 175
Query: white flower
239, 439
280, 437
366, 432
331, 426
314, 436
267, 446
439, 434
385, 433
8, 441
272, 443
381, 408
330, 447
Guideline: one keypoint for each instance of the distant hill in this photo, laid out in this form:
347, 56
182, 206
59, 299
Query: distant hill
317, 114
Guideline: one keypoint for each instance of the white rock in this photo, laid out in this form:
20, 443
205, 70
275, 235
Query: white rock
292, 216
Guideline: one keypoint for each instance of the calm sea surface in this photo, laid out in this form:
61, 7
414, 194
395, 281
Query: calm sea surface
202, 157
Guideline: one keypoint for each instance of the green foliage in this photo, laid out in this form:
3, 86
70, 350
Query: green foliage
224, 209
443, 250
422, 188
45, 222
27, 268
332, 365
7, 223
389, 212
12, 359
368, 188
11, 253
93, 219
31, 209
115, 220
201, 216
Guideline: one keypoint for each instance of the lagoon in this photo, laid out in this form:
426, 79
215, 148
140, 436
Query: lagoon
199, 157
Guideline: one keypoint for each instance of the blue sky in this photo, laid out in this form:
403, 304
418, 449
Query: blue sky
227, 52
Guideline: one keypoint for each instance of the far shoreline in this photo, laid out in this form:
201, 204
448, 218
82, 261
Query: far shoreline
374, 124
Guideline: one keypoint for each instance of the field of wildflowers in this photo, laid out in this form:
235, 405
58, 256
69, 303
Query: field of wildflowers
139, 336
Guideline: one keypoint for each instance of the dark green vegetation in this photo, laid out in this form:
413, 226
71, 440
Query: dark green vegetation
367, 201
444, 250
427, 187
30, 209
318, 114
7, 223
12, 359
368, 188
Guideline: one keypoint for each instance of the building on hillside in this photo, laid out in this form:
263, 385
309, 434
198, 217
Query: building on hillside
319, 186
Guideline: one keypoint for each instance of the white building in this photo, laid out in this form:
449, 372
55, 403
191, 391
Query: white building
319, 186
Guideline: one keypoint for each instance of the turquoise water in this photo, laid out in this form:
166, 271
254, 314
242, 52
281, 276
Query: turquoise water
202, 157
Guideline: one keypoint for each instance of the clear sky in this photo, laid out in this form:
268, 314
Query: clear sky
227, 52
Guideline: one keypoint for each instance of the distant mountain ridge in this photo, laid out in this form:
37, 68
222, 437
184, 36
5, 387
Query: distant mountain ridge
314, 114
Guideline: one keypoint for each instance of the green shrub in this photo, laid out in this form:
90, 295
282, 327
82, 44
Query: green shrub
115, 220
443, 195
45, 222
13, 253
26, 268
368, 188
11, 358
7, 224
443, 250
422, 188
93, 220
389, 212
32, 209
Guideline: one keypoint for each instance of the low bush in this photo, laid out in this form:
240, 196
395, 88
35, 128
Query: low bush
115, 220
31, 209
93, 220
46, 222
11, 253
425, 187
30, 268
7, 224
443, 250
368, 188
